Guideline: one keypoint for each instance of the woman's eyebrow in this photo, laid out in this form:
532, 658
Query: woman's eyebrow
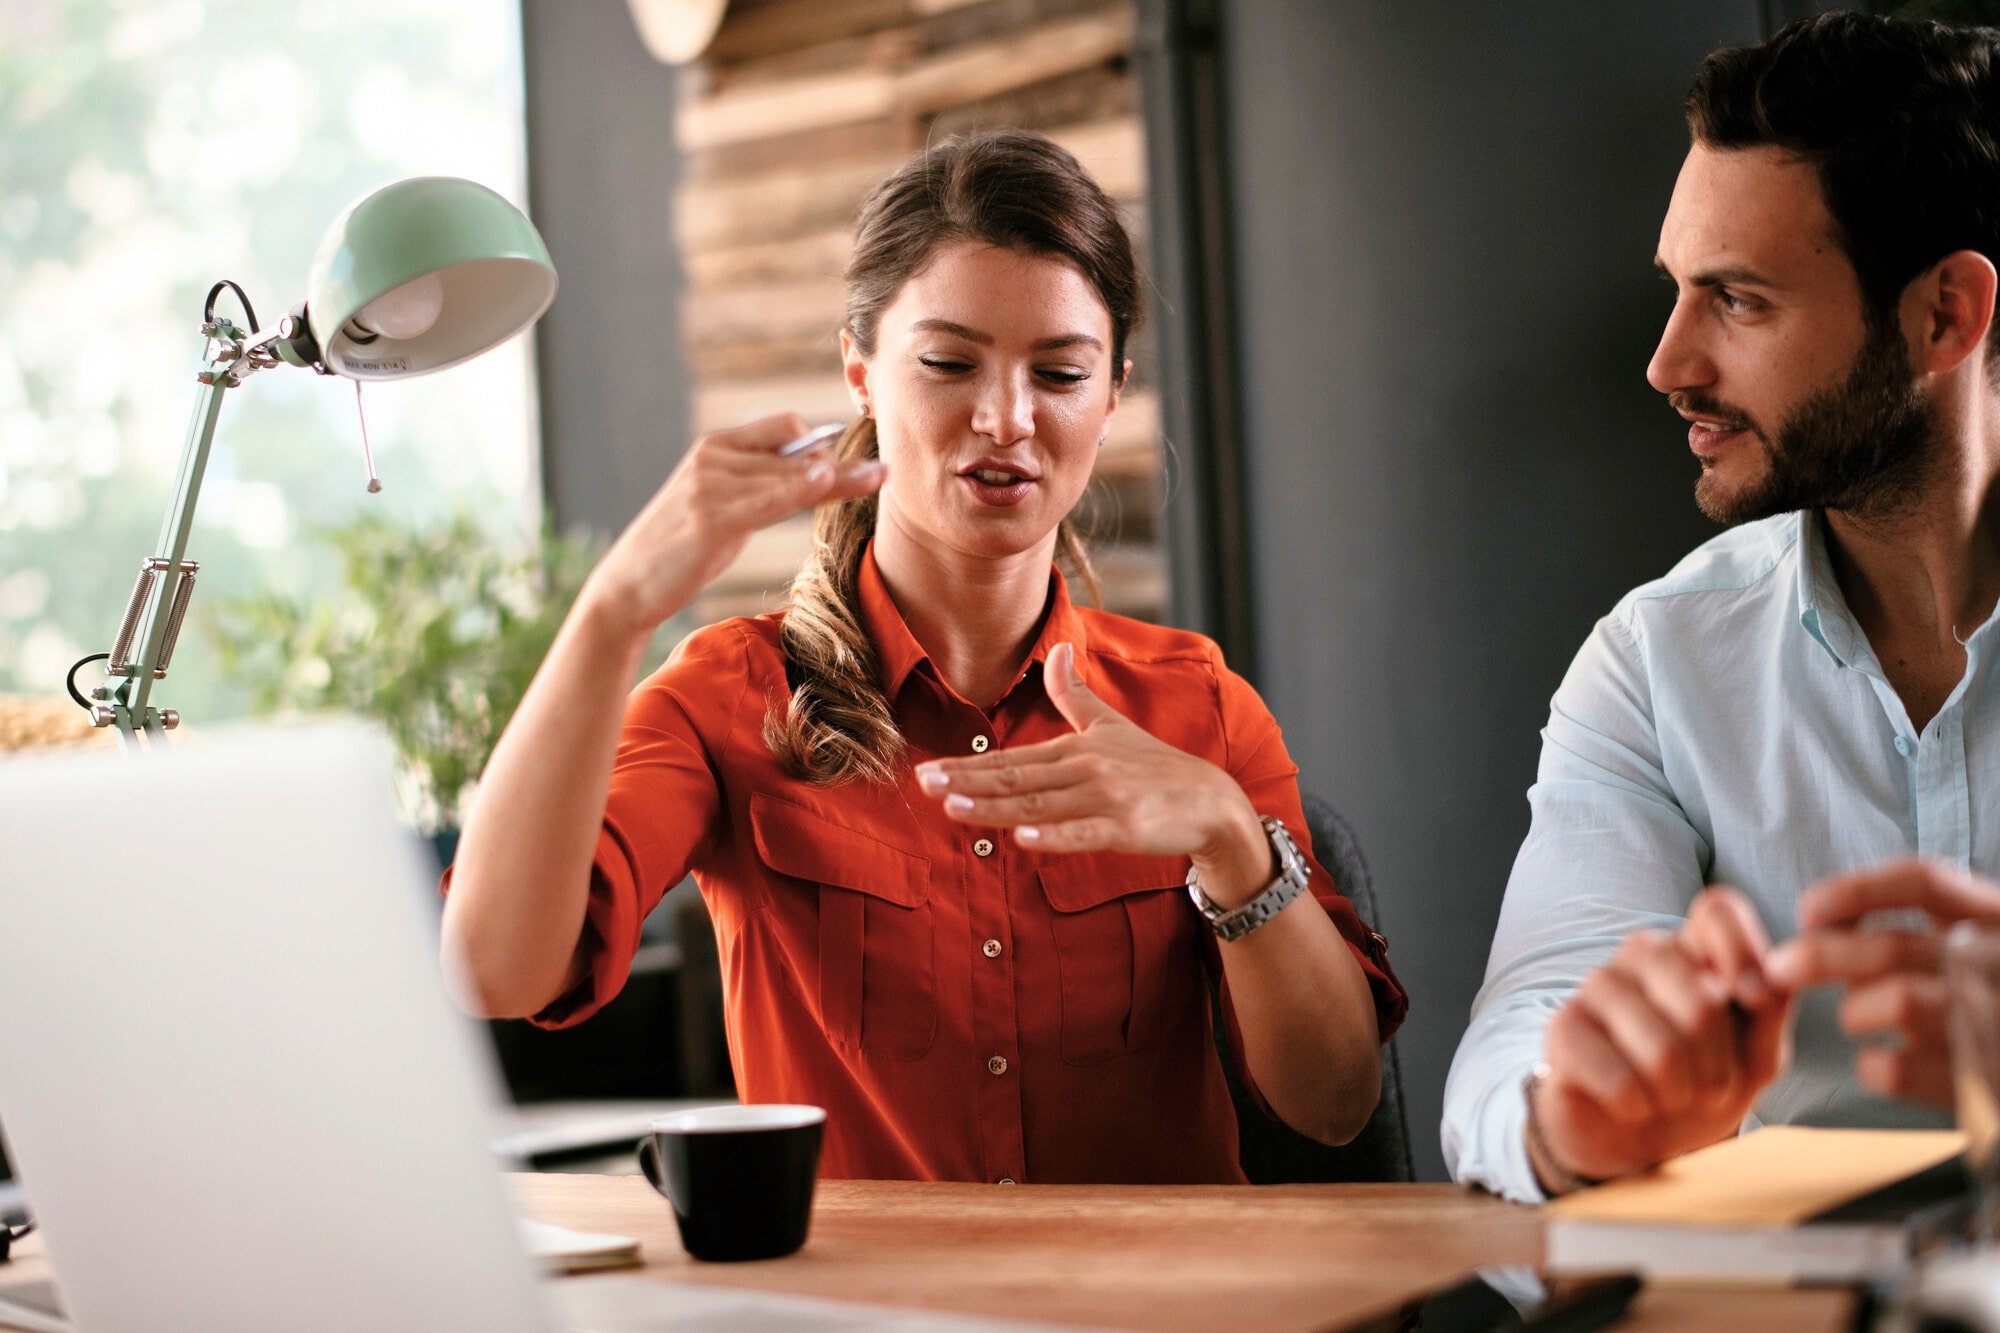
986, 339
957, 330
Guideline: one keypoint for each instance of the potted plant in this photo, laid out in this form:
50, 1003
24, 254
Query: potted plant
435, 634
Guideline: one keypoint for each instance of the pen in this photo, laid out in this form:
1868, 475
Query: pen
812, 439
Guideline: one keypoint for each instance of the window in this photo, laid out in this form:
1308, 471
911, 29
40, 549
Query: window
149, 148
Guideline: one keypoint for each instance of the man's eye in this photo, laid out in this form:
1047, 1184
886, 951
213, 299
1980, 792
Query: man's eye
1730, 301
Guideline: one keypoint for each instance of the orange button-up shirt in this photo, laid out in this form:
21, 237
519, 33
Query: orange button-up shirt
964, 1008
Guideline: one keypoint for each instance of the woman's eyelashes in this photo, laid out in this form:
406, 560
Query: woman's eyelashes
1063, 377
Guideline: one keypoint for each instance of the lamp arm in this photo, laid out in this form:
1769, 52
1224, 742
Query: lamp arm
158, 607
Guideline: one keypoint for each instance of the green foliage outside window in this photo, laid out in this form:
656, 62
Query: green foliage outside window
436, 634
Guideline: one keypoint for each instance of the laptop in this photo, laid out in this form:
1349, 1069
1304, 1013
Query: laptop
235, 1089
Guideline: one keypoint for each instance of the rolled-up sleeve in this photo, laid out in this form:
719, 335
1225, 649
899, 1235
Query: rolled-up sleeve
1609, 850
662, 812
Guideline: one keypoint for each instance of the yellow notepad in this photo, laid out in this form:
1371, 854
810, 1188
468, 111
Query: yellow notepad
1779, 1176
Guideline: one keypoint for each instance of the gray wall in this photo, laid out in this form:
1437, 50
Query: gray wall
1445, 218
601, 171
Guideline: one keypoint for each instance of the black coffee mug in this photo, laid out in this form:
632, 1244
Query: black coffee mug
740, 1178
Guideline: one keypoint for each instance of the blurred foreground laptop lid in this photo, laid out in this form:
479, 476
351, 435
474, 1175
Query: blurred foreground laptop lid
233, 1084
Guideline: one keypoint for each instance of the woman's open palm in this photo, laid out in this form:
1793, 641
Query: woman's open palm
1108, 786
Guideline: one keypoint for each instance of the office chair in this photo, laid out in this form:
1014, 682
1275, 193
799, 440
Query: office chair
1273, 1153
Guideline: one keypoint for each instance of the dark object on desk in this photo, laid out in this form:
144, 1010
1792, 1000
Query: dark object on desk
1478, 1305
1276, 1154
9, 1234
740, 1178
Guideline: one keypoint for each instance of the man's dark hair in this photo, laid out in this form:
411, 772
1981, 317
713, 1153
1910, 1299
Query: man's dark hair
1900, 116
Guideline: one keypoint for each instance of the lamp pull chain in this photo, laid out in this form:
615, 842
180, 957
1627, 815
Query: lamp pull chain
367, 454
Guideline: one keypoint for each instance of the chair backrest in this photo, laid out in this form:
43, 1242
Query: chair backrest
1273, 1153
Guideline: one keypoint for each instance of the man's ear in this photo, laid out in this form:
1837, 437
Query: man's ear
1948, 310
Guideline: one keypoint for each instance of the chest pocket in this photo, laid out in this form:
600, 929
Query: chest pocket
1125, 946
877, 946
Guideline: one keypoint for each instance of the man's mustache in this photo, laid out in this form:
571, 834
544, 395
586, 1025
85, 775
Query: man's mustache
1693, 402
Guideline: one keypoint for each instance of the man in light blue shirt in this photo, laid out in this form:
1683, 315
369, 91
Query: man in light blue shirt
1807, 702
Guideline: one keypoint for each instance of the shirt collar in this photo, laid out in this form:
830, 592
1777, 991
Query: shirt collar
900, 653
1822, 607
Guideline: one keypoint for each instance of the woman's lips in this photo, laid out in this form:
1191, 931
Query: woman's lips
997, 494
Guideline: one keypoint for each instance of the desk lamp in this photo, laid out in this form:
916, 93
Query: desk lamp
415, 277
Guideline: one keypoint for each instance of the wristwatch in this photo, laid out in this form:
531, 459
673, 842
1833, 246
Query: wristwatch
1233, 923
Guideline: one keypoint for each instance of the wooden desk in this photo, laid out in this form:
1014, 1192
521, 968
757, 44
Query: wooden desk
1272, 1258
1275, 1259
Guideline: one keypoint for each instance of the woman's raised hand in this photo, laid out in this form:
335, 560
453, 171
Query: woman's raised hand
1109, 786
729, 484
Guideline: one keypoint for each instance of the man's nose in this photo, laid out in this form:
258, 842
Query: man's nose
1680, 361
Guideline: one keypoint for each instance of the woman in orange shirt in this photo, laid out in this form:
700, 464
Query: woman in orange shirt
943, 818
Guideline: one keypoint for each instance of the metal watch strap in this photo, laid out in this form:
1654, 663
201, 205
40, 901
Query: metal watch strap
1234, 923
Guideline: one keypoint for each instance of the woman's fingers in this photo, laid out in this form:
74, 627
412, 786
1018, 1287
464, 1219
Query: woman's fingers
1095, 834
998, 771
1011, 776
766, 435
1046, 806
747, 492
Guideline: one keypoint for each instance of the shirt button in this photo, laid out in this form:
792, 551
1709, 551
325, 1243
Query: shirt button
984, 847
1904, 745
979, 744
1004, 1180
997, 1065
991, 948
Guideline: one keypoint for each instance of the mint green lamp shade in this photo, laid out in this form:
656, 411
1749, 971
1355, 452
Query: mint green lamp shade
424, 274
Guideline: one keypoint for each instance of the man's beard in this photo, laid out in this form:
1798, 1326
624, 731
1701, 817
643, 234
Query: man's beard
1867, 446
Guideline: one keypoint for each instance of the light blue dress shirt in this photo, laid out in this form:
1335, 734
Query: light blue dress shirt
1726, 724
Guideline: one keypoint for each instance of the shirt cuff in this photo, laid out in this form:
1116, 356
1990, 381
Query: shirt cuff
1501, 1164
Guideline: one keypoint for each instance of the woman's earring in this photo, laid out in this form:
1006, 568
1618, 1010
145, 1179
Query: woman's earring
1102, 438
863, 405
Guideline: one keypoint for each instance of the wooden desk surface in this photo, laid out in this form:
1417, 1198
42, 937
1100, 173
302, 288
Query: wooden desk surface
1270, 1259
1279, 1258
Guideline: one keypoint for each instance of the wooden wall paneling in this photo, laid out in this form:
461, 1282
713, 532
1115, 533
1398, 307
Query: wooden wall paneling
788, 24
813, 255
781, 106
795, 115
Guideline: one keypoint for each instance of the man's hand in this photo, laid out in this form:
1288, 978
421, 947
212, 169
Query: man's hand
1664, 1049
1894, 978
